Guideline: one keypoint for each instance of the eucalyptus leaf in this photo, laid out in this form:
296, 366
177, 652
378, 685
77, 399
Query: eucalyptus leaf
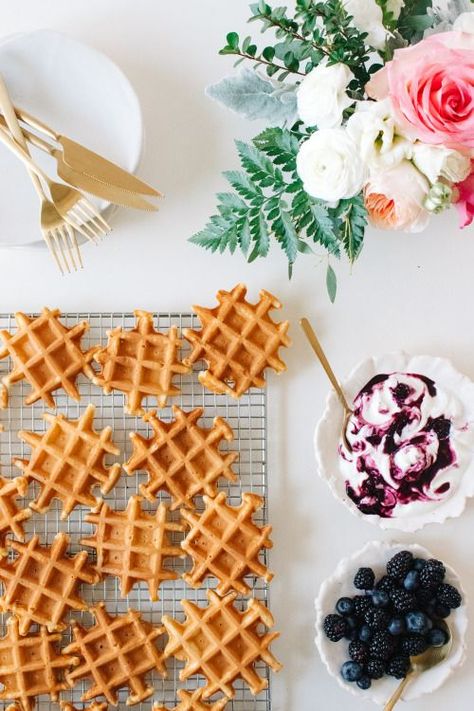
255, 97
331, 283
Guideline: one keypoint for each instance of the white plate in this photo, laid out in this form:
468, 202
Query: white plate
79, 92
376, 555
328, 432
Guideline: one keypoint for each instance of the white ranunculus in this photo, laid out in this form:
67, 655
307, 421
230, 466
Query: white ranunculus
368, 17
395, 7
439, 162
330, 166
373, 128
465, 23
322, 96
395, 199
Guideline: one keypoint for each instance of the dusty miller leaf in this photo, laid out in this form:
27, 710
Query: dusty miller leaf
254, 97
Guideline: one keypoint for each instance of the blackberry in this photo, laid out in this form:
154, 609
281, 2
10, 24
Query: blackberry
402, 600
361, 605
448, 596
386, 583
375, 669
413, 644
432, 573
364, 579
425, 597
358, 652
382, 646
334, 627
376, 618
398, 667
400, 564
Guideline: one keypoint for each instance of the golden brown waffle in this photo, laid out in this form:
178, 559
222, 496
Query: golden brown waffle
31, 666
68, 462
40, 584
181, 457
94, 706
141, 363
116, 653
47, 355
4, 397
192, 701
238, 340
222, 643
11, 515
224, 542
133, 545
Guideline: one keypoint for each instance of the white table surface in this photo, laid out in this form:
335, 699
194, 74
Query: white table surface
410, 292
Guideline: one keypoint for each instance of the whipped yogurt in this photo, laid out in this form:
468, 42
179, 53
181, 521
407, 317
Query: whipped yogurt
407, 437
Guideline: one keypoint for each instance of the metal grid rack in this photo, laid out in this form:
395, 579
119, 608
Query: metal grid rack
247, 418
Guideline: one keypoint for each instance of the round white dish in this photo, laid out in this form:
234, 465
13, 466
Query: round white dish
376, 555
328, 432
80, 93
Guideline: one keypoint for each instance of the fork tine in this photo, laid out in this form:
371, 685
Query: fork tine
53, 251
91, 209
58, 240
83, 228
90, 218
75, 245
68, 239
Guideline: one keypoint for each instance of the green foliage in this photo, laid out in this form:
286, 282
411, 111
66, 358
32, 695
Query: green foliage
414, 20
331, 283
270, 201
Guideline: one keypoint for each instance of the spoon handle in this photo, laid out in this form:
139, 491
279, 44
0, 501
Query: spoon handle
317, 348
399, 691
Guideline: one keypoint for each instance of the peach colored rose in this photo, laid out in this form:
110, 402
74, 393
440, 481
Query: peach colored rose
431, 86
465, 200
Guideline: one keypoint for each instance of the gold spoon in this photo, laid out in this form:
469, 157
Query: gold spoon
420, 664
317, 348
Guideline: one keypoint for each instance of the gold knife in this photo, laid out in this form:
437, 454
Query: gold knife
83, 160
83, 181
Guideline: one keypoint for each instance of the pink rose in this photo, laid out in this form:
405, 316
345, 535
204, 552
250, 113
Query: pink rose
431, 86
465, 201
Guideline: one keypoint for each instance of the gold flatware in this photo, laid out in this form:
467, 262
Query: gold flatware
83, 160
69, 211
419, 664
317, 348
85, 182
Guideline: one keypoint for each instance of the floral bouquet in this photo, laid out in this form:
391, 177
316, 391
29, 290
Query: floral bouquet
370, 106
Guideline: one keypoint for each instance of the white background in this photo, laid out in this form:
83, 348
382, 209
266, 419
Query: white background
409, 292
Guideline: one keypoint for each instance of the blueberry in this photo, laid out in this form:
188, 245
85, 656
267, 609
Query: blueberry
351, 671
417, 622
380, 598
364, 683
437, 637
442, 611
345, 606
365, 633
418, 564
412, 581
396, 626
351, 635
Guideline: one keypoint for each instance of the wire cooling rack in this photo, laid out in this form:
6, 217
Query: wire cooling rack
247, 418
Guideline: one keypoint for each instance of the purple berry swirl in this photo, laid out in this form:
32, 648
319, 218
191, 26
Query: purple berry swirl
403, 451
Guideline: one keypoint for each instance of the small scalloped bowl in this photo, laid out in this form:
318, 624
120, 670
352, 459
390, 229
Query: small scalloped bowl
328, 433
333, 654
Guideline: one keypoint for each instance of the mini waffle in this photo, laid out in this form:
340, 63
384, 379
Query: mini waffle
68, 462
116, 653
94, 706
133, 545
181, 457
11, 515
140, 363
40, 584
222, 643
47, 355
238, 340
192, 701
31, 666
224, 542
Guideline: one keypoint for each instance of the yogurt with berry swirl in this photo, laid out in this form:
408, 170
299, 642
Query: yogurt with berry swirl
412, 440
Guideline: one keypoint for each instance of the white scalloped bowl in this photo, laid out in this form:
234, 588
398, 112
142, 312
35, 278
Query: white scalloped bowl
328, 434
333, 654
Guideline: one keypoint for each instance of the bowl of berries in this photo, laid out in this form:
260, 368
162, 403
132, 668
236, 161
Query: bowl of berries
410, 457
382, 606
